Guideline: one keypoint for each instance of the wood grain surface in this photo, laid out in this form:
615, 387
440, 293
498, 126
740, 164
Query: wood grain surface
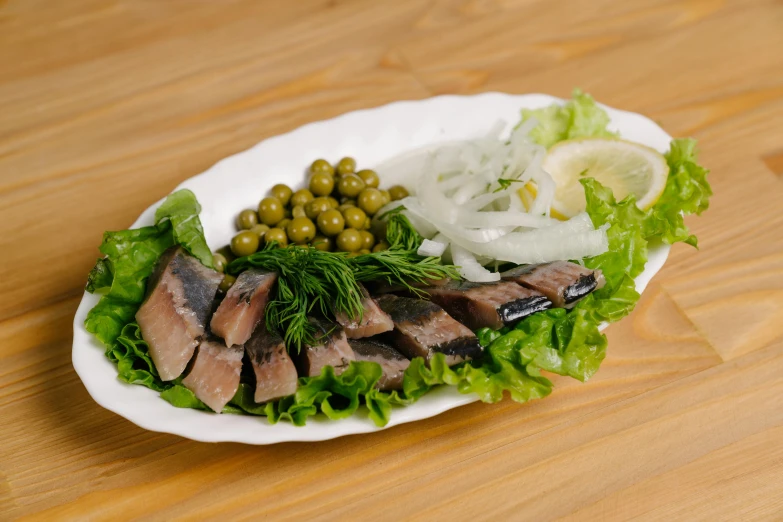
106, 105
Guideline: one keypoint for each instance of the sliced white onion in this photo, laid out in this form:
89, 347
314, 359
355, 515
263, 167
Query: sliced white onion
469, 268
475, 218
431, 248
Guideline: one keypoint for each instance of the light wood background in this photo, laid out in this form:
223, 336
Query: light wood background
106, 105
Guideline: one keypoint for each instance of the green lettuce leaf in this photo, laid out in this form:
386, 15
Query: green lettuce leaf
687, 192
100, 277
182, 208
182, 397
580, 117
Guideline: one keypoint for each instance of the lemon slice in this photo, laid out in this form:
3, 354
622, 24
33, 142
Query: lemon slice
625, 167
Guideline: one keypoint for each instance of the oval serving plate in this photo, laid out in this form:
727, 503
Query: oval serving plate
371, 136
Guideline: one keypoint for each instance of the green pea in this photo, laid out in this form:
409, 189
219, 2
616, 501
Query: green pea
354, 217
370, 200
380, 246
247, 219
370, 177
301, 197
298, 211
260, 230
219, 261
324, 244
283, 224
368, 240
317, 206
321, 166
321, 184
331, 222
301, 230
227, 282
244, 243
346, 166
278, 235
270, 211
282, 192
398, 192
349, 240
350, 185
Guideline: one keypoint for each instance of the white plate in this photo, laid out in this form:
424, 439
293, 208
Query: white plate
371, 136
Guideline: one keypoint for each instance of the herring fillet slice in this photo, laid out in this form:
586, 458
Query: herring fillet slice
422, 329
330, 349
174, 314
275, 372
493, 305
563, 282
243, 307
214, 376
372, 322
392, 362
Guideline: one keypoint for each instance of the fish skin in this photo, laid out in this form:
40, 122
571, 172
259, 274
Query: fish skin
493, 305
392, 362
274, 370
374, 321
562, 282
422, 329
333, 351
243, 308
174, 313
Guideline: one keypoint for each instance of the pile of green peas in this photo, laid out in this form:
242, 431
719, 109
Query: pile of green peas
332, 214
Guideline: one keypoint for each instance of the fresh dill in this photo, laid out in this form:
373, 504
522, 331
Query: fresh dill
505, 183
309, 281
400, 234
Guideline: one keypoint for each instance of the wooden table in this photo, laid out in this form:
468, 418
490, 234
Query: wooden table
107, 105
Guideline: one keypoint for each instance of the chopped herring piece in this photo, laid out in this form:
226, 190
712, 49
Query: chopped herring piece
243, 307
333, 350
214, 375
493, 305
422, 329
174, 313
275, 372
392, 362
564, 283
373, 320
385, 288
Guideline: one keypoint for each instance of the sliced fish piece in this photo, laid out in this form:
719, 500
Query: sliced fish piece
214, 374
373, 320
175, 311
275, 372
382, 287
422, 329
493, 305
392, 362
243, 307
333, 350
563, 282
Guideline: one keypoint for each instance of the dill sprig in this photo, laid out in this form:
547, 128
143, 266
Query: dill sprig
400, 234
309, 280
401, 267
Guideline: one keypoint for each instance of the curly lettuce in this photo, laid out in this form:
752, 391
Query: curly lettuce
580, 117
